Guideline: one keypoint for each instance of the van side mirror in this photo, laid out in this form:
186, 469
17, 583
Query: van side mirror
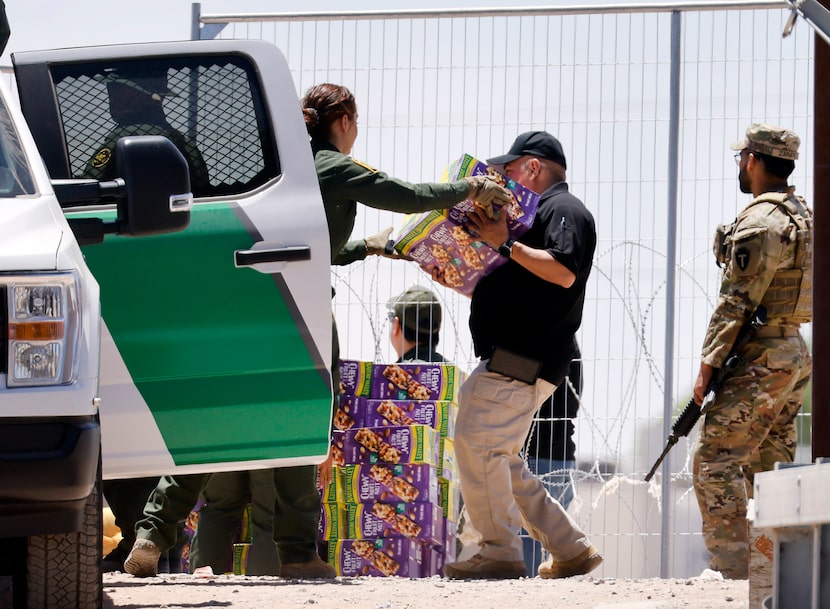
157, 183
152, 195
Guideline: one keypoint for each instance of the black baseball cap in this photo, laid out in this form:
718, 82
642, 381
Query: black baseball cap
534, 143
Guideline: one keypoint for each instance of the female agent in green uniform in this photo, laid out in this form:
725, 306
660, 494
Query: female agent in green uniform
331, 119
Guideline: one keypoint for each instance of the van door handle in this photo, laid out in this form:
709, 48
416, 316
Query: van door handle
292, 253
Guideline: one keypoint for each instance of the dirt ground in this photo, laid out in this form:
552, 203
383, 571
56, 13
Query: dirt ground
584, 592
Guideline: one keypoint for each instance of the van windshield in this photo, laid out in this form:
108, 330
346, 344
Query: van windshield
15, 174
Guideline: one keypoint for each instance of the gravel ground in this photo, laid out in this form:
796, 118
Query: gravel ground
584, 592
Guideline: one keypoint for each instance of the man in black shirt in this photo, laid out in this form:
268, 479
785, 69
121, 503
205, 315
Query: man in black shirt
523, 319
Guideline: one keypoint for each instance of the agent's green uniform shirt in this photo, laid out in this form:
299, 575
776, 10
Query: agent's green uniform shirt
345, 181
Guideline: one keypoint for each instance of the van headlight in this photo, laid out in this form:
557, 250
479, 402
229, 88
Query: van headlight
43, 329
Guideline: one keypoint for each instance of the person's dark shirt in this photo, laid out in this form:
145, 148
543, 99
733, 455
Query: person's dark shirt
514, 309
421, 354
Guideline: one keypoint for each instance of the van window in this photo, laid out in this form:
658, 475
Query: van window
15, 174
209, 107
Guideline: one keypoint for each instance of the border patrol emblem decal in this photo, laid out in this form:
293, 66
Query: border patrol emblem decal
101, 158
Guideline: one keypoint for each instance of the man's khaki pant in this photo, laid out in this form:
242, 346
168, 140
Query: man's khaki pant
494, 417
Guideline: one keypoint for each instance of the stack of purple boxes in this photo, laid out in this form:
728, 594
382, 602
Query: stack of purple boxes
392, 509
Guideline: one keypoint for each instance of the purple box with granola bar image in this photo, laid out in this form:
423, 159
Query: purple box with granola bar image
392, 445
387, 483
439, 382
364, 412
442, 240
388, 557
422, 521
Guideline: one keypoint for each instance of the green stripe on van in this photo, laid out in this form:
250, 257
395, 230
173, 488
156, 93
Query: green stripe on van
213, 349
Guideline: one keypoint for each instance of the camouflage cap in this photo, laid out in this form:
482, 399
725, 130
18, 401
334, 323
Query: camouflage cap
770, 140
418, 309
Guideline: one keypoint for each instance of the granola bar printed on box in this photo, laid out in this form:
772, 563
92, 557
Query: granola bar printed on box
388, 557
438, 382
391, 445
441, 239
387, 483
421, 521
365, 412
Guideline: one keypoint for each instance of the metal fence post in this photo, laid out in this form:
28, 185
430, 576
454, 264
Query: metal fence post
671, 254
195, 14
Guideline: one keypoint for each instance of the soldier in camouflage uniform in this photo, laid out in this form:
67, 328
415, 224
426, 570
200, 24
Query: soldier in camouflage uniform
136, 107
766, 255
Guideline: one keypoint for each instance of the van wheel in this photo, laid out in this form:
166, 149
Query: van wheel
64, 571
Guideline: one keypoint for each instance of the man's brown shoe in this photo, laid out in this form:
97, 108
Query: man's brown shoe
481, 567
313, 569
586, 562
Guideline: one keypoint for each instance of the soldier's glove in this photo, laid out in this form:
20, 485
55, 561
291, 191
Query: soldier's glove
381, 245
489, 194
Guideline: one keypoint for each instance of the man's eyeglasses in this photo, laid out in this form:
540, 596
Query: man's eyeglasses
391, 316
738, 156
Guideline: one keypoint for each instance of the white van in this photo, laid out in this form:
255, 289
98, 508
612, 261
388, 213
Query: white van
215, 334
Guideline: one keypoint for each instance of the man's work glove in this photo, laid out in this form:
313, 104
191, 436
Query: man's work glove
381, 245
487, 192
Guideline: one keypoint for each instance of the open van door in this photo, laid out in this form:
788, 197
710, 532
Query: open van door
216, 347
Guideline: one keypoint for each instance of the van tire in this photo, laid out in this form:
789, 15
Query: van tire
64, 571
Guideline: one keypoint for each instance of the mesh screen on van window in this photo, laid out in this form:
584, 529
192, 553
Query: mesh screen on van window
210, 108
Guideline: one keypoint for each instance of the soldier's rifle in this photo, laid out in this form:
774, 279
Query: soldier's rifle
690, 415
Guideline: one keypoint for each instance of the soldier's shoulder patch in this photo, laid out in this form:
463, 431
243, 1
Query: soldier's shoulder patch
101, 158
747, 250
365, 166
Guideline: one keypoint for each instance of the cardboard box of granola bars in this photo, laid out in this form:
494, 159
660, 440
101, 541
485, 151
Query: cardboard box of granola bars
450, 498
434, 561
441, 239
436, 382
439, 382
392, 445
387, 483
365, 412
421, 521
388, 557
448, 467
240, 558
355, 377
333, 523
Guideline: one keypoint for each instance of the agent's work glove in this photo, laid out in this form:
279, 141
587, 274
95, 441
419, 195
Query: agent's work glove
381, 245
487, 192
